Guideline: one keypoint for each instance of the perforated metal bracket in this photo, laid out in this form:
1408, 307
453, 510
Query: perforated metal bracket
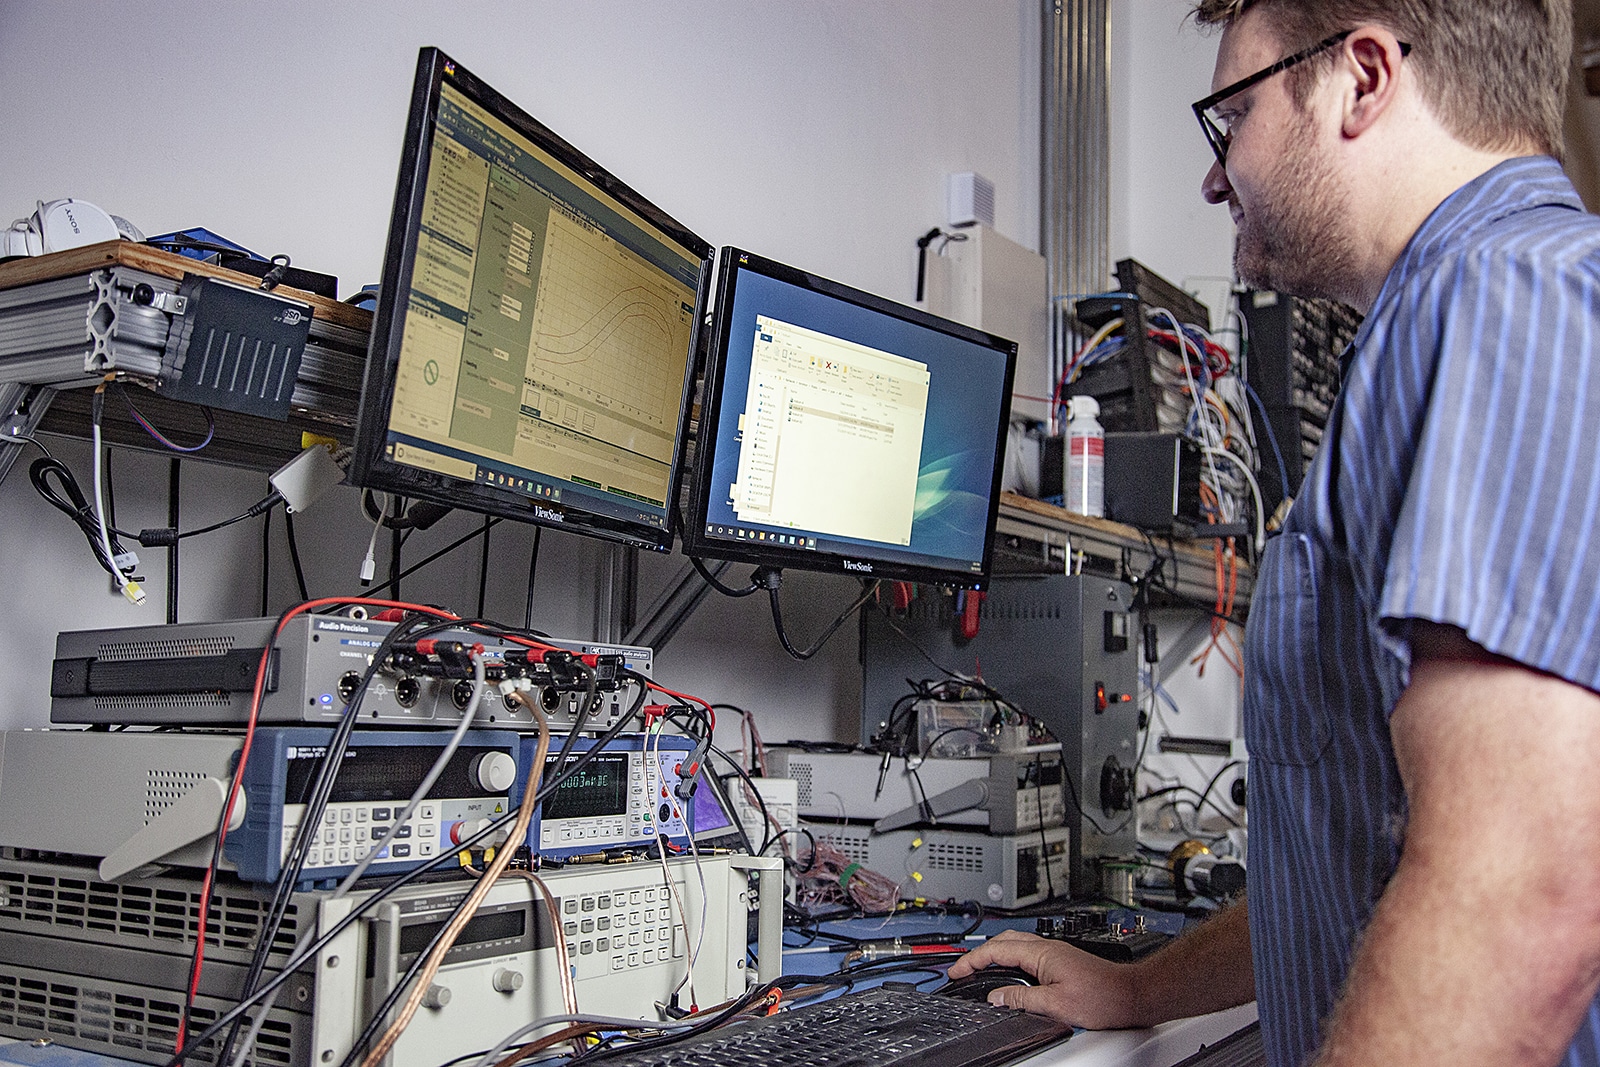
22, 407
102, 323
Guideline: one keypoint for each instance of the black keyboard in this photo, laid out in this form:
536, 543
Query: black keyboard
893, 1027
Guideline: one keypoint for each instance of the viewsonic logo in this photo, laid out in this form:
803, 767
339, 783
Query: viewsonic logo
852, 565
548, 515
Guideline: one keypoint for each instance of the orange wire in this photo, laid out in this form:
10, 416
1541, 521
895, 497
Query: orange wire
1227, 584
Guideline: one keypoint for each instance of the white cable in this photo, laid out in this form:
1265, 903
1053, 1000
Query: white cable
126, 586
1255, 491
700, 872
369, 565
1212, 443
1240, 401
1195, 396
691, 947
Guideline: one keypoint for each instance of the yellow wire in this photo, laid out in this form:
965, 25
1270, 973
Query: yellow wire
1088, 346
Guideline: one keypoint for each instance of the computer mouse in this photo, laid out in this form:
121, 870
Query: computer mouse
978, 985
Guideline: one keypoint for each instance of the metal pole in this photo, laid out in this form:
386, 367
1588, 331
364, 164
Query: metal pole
1075, 158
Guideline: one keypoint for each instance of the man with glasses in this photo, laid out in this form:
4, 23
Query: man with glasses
1423, 650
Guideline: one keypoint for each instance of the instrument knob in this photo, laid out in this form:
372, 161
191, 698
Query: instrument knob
495, 771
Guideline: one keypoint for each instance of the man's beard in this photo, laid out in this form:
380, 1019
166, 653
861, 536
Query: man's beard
1295, 243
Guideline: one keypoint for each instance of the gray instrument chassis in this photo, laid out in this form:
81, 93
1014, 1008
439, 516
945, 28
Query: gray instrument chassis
1051, 646
196, 674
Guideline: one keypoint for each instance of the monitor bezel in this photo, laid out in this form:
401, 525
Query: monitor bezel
370, 467
731, 261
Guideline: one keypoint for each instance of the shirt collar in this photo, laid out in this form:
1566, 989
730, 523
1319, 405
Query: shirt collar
1516, 185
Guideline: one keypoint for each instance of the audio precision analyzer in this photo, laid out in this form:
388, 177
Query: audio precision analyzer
203, 674
133, 800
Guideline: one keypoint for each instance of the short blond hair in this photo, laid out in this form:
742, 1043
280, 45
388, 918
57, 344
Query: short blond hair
1495, 72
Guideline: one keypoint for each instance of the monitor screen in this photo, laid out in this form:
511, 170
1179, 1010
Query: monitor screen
842, 432
531, 348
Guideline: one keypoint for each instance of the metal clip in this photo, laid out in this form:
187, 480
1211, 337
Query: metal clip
171, 303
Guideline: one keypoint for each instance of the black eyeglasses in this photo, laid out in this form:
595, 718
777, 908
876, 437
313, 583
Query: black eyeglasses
1215, 128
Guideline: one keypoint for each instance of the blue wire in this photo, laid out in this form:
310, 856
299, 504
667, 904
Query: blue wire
1272, 438
1161, 691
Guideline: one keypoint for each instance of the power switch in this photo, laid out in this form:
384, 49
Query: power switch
1100, 701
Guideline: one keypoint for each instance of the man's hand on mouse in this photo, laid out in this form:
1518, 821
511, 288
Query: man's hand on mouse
1074, 986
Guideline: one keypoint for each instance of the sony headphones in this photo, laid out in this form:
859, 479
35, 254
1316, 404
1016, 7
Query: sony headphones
63, 224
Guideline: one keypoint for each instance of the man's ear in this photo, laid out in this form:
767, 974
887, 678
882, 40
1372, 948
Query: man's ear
1370, 57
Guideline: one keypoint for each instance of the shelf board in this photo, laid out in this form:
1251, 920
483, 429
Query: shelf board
1039, 538
94, 257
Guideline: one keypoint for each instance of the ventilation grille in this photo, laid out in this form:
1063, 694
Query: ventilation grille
166, 648
937, 611
160, 914
1025, 611
945, 857
118, 1021
158, 701
801, 772
162, 789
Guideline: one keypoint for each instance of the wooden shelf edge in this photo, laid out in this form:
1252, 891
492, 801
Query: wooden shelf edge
1107, 540
167, 265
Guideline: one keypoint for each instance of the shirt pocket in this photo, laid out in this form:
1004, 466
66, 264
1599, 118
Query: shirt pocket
1285, 705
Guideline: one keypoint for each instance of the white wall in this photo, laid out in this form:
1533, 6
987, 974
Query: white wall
1161, 63
817, 133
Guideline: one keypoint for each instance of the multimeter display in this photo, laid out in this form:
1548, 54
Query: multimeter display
599, 788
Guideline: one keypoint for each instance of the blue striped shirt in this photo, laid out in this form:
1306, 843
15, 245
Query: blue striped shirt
1458, 483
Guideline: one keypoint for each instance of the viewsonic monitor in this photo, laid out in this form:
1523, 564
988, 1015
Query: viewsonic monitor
843, 432
531, 347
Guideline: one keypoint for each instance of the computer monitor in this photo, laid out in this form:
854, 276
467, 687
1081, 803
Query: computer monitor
843, 432
531, 351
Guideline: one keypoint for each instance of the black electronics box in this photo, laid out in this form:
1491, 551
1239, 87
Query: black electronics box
308, 281
1142, 388
1089, 930
1295, 348
1153, 481
1052, 470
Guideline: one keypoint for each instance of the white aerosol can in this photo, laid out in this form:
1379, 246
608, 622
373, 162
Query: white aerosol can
1084, 481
